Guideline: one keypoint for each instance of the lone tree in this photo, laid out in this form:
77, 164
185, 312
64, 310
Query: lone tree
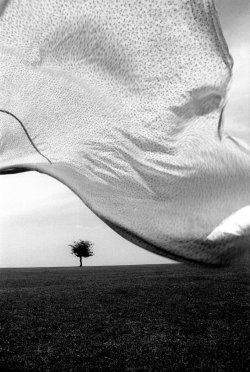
81, 249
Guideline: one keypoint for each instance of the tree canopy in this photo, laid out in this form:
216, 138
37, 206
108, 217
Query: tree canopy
82, 248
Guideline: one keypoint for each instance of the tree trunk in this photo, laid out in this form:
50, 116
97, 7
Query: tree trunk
80, 261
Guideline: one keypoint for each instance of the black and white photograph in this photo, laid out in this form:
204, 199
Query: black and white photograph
125, 185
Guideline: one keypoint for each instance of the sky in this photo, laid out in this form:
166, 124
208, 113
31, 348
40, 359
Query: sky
40, 217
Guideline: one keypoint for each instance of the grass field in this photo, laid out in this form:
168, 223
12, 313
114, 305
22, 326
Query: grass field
125, 318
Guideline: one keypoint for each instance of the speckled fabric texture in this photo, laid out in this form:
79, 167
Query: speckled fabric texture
122, 101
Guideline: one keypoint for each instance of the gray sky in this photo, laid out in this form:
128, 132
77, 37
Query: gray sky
39, 217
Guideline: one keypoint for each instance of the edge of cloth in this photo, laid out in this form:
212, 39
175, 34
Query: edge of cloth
220, 259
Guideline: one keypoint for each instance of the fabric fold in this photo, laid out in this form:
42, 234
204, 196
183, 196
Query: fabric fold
122, 102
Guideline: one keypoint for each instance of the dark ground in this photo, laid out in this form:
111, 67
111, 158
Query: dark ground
125, 318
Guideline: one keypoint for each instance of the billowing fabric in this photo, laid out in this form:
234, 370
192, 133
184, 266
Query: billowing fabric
123, 101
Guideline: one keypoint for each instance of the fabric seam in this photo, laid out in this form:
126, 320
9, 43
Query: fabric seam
27, 134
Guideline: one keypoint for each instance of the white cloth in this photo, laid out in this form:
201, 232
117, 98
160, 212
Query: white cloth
238, 224
122, 101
